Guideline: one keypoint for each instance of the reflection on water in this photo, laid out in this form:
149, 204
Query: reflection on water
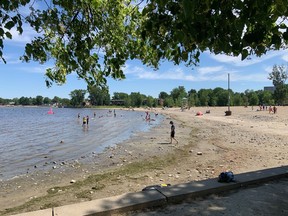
31, 136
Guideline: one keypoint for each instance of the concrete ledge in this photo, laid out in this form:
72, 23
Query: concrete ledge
107, 206
180, 192
162, 196
261, 176
45, 212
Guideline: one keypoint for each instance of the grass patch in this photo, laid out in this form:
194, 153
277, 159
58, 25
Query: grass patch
98, 186
56, 190
50, 205
29, 206
86, 194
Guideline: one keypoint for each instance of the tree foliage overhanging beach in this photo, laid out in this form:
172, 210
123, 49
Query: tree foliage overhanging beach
96, 38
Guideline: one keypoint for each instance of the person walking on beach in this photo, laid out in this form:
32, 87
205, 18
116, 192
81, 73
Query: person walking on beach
172, 133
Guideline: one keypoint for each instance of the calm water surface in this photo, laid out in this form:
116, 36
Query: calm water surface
30, 136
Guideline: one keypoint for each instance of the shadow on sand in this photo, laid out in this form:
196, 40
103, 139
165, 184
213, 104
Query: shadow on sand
165, 198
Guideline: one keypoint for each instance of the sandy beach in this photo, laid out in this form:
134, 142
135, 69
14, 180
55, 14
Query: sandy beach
247, 140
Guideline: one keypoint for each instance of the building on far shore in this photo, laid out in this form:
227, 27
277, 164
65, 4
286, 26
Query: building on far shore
117, 102
269, 88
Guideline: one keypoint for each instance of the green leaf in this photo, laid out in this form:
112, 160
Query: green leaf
179, 36
1, 32
188, 6
197, 54
283, 26
276, 40
5, 18
8, 35
20, 30
285, 35
260, 49
9, 25
185, 56
244, 54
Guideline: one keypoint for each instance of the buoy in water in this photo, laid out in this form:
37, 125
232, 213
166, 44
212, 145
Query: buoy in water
50, 111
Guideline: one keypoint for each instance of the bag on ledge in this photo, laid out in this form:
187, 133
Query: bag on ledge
226, 177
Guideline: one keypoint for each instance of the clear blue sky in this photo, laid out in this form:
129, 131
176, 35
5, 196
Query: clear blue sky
27, 79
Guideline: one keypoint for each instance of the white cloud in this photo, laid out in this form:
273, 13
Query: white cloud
27, 35
133, 70
259, 77
34, 67
176, 74
209, 70
285, 57
12, 59
236, 61
15, 61
268, 69
218, 73
144, 73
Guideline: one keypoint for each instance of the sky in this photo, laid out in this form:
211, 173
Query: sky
28, 79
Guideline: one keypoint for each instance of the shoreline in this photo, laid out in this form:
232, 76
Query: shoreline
245, 141
22, 188
67, 145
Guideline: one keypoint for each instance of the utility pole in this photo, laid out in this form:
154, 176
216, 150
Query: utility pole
229, 92
228, 113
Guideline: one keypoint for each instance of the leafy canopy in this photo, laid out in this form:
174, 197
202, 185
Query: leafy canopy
9, 18
279, 76
94, 38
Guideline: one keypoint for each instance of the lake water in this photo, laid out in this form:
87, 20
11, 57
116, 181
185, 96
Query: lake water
30, 136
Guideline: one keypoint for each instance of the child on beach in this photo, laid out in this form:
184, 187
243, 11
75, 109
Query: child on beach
172, 133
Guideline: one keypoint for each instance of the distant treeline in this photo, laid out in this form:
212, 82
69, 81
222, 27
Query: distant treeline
178, 97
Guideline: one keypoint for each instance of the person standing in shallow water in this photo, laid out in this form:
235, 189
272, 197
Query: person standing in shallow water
87, 119
84, 121
172, 133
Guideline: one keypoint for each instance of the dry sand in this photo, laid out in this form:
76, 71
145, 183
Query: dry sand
247, 140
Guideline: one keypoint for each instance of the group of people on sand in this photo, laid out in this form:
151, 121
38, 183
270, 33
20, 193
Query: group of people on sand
271, 109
